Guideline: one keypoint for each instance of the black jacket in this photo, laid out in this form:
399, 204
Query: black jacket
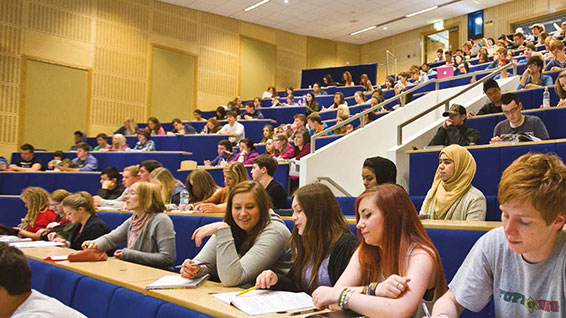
93, 229
462, 136
115, 193
489, 108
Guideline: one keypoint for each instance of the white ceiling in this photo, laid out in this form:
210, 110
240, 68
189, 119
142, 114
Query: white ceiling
335, 19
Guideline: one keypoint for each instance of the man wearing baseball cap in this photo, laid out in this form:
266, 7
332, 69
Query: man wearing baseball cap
454, 130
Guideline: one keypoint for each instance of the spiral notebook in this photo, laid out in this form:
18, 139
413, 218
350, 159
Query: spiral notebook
259, 302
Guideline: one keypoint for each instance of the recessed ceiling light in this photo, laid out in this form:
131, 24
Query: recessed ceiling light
363, 30
256, 5
422, 11
286, 1
384, 28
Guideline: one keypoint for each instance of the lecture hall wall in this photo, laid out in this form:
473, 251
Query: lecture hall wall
113, 39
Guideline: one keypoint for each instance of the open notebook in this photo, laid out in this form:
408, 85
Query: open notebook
176, 281
259, 302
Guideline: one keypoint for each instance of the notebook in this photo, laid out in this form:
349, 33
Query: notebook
176, 282
259, 302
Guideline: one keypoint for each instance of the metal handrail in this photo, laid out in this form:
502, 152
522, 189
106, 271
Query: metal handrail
402, 96
388, 55
336, 185
446, 102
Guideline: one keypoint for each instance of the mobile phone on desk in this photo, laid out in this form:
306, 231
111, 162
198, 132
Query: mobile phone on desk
345, 313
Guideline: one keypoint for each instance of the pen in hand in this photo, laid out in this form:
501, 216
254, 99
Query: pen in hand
426, 310
197, 264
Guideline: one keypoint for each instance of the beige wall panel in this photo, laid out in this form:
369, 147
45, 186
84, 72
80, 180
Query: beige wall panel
11, 39
189, 47
120, 63
292, 42
172, 26
218, 39
11, 11
105, 112
206, 101
124, 12
258, 32
7, 149
96, 129
217, 83
8, 129
182, 12
218, 21
59, 22
257, 67
118, 88
348, 54
9, 69
320, 53
56, 48
121, 37
82, 6
289, 66
9, 98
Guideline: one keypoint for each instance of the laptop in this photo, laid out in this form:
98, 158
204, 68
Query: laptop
444, 71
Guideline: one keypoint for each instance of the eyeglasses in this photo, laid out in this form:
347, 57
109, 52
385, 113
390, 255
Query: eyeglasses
511, 111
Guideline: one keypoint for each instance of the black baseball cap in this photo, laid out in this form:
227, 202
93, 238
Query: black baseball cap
455, 109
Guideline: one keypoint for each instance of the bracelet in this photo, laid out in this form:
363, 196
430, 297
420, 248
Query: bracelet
341, 297
347, 297
371, 288
364, 290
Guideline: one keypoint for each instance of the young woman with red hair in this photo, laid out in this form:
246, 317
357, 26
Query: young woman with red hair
396, 266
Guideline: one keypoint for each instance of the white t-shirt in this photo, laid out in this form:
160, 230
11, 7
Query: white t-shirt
237, 128
40, 306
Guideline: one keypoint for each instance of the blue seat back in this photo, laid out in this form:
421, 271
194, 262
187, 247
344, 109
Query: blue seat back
126, 303
61, 284
93, 297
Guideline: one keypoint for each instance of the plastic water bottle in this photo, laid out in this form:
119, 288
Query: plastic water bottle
546, 98
184, 202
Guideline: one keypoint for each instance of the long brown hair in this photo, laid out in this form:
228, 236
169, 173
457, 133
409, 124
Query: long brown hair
200, 185
325, 224
81, 199
242, 239
402, 230
37, 201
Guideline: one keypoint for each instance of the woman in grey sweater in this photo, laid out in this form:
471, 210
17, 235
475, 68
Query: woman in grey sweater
149, 233
252, 238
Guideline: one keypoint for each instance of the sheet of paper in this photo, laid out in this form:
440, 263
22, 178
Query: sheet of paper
259, 302
12, 238
175, 281
35, 244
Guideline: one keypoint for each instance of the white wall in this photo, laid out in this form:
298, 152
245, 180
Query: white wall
342, 160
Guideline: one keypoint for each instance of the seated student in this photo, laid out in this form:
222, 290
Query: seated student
291, 101
225, 154
532, 77
359, 98
378, 170
130, 128
315, 124
500, 53
27, 162
102, 142
146, 167
299, 121
267, 133
327, 80
17, 299
263, 170
144, 141
257, 102
86, 225
312, 105
119, 143
61, 221
439, 56
197, 115
247, 152
483, 58
395, 271
169, 186
39, 213
493, 92
154, 127
316, 89
366, 83
111, 188
79, 137
234, 173
129, 177
283, 150
347, 79
58, 157
181, 129
452, 195
321, 241
521, 264
220, 113
516, 122
149, 233
455, 130
343, 130
527, 53
302, 143
200, 186
560, 88
251, 112
269, 147
212, 127
338, 101
84, 160
269, 93
234, 129
559, 62
251, 239
389, 82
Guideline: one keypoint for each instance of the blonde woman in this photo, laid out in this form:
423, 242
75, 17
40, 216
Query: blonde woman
61, 224
234, 173
39, 214
170, 187
130, 127
359, 98
118, 143
149, 233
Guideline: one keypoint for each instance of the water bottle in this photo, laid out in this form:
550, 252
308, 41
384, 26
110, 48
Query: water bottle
546, 98
184, 202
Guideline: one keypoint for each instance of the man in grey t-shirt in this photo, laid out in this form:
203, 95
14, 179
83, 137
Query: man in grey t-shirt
517, 123
523, 264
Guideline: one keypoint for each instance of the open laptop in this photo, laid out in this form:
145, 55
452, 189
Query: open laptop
444, 71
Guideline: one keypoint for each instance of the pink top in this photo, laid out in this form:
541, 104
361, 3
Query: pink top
305, 151
160, 132
289, 153
248, 160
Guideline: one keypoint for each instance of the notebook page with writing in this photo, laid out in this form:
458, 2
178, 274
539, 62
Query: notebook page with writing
259, 302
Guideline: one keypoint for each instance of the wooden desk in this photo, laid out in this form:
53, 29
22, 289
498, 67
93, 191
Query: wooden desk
452, 224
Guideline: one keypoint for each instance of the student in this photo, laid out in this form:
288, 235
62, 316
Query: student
559, 62
181, 129
455, 130
251, 238
55, 199
86, 225
347, 79
144, 141
532, 77
111, 188
517, 123
321, 243
149, 233
58, 157
234, 173
39, 213
17, 299
338, 102
378, 170
234, 129
267, 133
247, 152
27, 162
79, 137
154, 127
146, 167
493, 92
225, 154
129, 177
102, 142
84, 160
200, 186
560, 88
291, 101
119, 143
197, 114
263, 170
251, 112
212, 127
312, 105
521, 264
302, 143
395, 270
315, 124
130, 127
299, 121
366, 83
283, 150
169, 186
359, 98
316, 89
452, 195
